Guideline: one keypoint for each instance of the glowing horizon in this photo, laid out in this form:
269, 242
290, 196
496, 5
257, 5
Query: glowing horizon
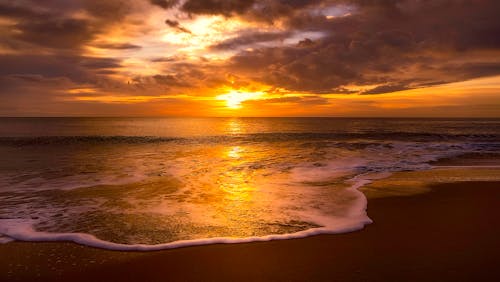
248, 58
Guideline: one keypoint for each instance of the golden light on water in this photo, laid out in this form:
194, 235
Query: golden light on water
235, 152
234, 126
236, 184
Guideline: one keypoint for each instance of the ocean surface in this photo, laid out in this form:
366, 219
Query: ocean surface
157, 183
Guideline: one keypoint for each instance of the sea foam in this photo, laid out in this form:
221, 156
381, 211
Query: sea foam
80, 188
22, 230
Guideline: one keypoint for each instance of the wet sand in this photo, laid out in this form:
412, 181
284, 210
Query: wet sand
448, 234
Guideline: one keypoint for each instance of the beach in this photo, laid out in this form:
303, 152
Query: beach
288, 199
262, 140
449, 233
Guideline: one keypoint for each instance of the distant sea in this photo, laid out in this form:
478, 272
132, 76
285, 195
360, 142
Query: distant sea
156, 183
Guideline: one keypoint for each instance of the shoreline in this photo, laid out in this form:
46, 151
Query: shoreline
446, 234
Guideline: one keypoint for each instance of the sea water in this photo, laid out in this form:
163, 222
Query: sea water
157, 183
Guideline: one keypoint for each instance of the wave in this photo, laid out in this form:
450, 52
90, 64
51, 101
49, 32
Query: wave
26, 233
381, 154
22, 230
59, 140
255, 137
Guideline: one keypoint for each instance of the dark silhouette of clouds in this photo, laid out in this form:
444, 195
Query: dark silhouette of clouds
249, 38
165, 4
117, 46
407, 44
176, 25
394, 44
214, 7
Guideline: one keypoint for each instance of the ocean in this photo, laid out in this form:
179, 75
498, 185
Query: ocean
158, 183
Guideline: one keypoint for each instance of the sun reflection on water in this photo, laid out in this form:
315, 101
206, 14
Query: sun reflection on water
235, 152
234, 126
236, 180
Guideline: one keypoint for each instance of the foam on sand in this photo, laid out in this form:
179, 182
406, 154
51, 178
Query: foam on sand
147, 193
22, 230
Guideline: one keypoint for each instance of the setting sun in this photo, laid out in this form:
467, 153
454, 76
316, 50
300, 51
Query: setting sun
234, 98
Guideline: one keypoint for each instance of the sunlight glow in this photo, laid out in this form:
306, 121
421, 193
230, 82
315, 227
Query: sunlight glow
235, 152
236, 183
203, 32
235, 97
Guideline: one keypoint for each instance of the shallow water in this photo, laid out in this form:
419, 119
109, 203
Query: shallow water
144, 183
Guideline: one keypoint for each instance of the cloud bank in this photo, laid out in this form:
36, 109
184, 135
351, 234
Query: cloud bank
301, 53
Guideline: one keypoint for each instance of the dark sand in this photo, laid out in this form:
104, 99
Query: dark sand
449, 234
470, 159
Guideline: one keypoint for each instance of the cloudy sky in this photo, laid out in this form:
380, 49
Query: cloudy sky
250, 58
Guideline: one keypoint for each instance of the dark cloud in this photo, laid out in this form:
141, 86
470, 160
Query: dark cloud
8, 9
176, 25
296, 100
170, 80
47, 40
248, 39
305, 43
398, 44
215, 7
70, 33
343, 90
180, 77
117, 46
165, 4
99, 63
259, 10
108, 11
274, 10
164, 60
79, 69
462, 71
44, 27
388, 88
51, 24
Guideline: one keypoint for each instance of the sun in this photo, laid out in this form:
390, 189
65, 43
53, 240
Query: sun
234, 98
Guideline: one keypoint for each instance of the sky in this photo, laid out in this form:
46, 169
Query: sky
359, 58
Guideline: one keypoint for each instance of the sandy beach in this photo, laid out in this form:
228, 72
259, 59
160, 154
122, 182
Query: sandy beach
448, 234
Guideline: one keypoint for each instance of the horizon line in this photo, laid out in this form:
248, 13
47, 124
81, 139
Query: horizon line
339, 117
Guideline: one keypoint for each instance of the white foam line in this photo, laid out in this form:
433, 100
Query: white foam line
22, 230
5, 239
28, 234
